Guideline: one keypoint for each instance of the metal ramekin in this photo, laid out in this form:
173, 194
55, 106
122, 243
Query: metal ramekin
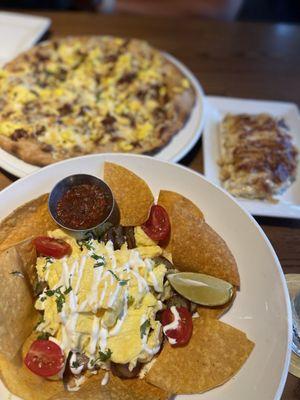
73, 180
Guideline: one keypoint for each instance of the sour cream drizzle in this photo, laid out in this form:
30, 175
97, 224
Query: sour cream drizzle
146, 348
141, 282
73, 361
93, 297
105, 379
103, 338
116, 329
70, 339
174, 324
94, 336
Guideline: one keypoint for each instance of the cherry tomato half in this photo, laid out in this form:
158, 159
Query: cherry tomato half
51, 247
183, 332
44, 358
157, 227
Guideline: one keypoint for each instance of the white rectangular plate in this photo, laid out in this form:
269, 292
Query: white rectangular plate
288, 205
18, 32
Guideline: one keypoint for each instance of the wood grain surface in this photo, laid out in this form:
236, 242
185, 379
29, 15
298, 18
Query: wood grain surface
248, 60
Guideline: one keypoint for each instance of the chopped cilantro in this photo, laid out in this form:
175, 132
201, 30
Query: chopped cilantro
68, 290
130, 300
50, 292
48, 260
60, 297
60, 302
43, 299
123, 282
75, 364
114, 275
100, 260
145, 325
44, 336
105, 356
85, 243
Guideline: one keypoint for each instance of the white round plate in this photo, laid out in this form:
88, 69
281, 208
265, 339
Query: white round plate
261, 309
175, 150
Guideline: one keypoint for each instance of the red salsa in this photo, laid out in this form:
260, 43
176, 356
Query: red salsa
83, 206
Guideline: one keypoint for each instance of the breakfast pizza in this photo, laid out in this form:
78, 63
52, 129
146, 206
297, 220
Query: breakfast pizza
81, 95
115, 309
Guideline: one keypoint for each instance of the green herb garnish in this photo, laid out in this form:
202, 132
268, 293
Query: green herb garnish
103, 357
114, 275
145, 325
68, 290
60, 302
44, 336
48, 261
130, 300
123, 282
50, 292
60, 297
75, 364
100, 260
85, 243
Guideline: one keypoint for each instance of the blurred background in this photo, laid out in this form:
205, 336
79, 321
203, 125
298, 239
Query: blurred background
249, 10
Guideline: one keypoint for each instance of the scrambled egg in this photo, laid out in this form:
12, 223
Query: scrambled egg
104, 300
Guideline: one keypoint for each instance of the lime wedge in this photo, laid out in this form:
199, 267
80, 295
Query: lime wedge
201, 289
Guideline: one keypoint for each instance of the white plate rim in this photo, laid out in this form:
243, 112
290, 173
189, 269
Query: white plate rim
282, 209
39, 25
281, 384
20, 168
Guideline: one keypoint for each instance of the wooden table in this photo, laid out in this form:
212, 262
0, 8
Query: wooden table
259, 61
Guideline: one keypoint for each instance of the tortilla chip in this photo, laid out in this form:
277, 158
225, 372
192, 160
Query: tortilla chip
116, 389
132, 194
20, 381
218, 311
167, 199
27, 252
196, 247
17, 314
214, 354
31, 219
